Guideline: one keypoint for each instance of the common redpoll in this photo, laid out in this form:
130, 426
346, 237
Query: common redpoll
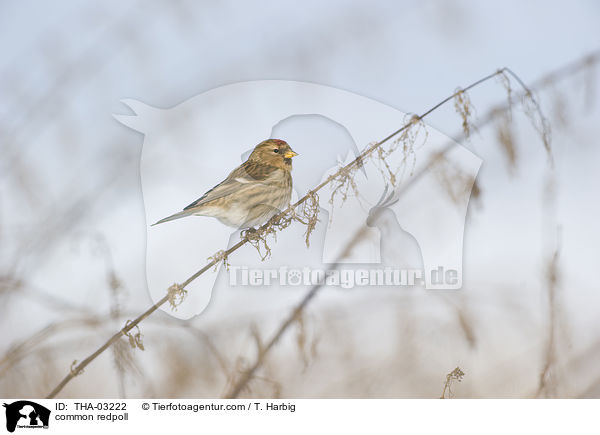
252, 193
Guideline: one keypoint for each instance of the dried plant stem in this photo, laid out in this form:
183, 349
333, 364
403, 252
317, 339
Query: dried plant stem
354, 164
455, 375
78, 369
247, 375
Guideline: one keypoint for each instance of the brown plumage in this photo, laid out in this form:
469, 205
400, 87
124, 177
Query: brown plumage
252, 193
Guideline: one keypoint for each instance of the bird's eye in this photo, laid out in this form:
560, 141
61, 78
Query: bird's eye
276, 150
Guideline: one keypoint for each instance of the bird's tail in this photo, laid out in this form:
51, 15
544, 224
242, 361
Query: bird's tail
179, 215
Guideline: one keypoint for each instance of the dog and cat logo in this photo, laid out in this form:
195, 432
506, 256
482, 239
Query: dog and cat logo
422, 217
25, 414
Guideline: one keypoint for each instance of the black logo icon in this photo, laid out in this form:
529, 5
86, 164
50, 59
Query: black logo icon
30, 412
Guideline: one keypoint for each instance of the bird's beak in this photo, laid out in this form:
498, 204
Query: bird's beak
289, 154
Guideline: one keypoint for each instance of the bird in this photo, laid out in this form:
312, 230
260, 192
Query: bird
252, 193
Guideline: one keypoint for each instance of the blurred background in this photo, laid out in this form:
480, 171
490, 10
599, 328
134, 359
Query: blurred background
73, 224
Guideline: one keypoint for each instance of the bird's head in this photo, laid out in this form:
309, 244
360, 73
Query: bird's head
273, 152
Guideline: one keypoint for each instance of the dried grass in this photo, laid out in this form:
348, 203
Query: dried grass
176, 294
455, 375
464, 107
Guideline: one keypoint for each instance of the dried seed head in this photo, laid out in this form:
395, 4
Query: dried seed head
176, 294
463, 106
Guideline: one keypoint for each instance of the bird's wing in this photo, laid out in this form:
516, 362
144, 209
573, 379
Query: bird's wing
248, 175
